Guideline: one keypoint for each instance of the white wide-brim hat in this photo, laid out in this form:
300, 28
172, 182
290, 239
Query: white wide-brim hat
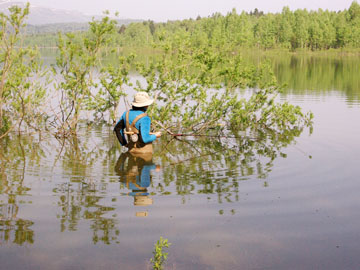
142, 99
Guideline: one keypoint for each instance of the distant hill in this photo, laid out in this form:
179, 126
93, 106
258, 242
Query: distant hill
43, 19
66, 27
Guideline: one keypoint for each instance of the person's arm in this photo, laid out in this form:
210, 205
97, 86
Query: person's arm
119, 131
145, 124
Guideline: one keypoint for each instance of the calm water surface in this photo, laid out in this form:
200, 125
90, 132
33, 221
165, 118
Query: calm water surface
84, 204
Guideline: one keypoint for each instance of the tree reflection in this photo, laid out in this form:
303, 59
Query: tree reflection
15, 230
83, 197
81, 201
13, 161
319, 74
80, 173
216, 165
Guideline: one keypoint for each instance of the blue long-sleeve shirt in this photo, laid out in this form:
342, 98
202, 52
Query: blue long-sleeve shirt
143, 125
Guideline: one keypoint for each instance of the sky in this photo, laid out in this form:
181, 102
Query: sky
163, 10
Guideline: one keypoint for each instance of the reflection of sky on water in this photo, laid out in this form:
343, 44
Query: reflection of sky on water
306, 217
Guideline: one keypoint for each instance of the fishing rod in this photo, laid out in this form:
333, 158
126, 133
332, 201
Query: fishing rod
258, 139
211, 136
169, 132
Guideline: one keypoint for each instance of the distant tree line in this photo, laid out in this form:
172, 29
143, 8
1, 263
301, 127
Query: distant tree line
299, 29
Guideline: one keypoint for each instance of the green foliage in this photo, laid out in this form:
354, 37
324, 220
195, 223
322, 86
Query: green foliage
113, 79
262, 114
75, 68
196, 89
178, 81
21, 94
299, 29
159, 256
195, 82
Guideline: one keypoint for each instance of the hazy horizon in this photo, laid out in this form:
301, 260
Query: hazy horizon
163, 10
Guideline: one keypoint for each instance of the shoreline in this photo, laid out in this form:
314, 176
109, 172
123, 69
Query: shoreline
269, 52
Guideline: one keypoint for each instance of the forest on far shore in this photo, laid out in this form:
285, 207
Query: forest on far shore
292, 30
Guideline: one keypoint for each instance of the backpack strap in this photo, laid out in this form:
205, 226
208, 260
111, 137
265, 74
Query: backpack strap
132, 127
127, 121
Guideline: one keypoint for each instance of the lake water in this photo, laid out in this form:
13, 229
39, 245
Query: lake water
84, 204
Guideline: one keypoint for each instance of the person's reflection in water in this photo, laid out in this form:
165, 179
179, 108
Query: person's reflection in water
134, 171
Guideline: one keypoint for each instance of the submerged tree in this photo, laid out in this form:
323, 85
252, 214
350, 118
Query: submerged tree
75, 68
113, 80
21, 92
197, 91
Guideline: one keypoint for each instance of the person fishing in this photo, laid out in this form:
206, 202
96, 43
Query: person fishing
133, 128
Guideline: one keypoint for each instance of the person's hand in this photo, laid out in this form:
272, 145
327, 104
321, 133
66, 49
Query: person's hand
158, 134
